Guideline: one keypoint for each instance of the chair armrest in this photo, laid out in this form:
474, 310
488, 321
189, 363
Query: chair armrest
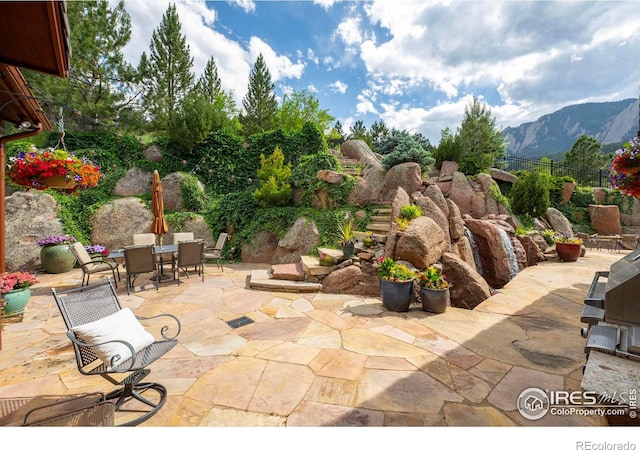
112, 363
166, 328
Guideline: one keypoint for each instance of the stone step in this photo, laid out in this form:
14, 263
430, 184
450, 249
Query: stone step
352, 172
261, 279
379, 226
378, 219
311, 266
382, 211
380, 237
291, 272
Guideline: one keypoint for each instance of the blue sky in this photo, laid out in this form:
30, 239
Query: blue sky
414, 64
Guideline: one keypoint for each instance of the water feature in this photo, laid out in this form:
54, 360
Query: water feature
474, 250
511, 255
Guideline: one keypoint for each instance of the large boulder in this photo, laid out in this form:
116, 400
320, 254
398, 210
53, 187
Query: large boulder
114, 224
199, 227
534, 254
351, 280
496, 259
469, 288
300, 239
260, 249
407, 175
422, 244
434, 193
172, 192
461, 192
605, 219
372, 175
502, 175
133, 183
456, 224
430, 209
29, 216
559, 223
462, 248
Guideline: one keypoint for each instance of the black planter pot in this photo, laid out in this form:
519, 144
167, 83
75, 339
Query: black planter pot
348, 250
396, 295
434, 300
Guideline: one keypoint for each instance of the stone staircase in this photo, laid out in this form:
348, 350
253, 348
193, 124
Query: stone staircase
304, 276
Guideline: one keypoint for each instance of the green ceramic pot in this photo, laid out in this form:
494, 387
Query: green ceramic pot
57, 258
15, 302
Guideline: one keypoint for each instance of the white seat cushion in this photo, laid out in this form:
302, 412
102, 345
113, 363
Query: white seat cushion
123, 326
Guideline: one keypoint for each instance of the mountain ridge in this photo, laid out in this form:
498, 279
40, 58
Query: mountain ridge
554, 133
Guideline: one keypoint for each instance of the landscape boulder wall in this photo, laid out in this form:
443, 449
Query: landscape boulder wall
114, 223
494, 256
469, 287
407, 176
558, 222
199, 227
300, 239
29, 216
172, 192
260, 249
605, 219
361, 279
422, 243
372, 175
476, 197
430, 209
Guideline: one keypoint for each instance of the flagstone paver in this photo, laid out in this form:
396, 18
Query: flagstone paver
315, 359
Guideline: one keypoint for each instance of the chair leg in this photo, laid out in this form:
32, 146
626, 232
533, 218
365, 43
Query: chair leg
135, 391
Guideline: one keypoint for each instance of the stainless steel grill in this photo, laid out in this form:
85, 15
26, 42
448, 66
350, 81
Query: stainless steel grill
612, 309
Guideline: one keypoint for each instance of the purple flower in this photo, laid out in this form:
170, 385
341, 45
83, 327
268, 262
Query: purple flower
56, 240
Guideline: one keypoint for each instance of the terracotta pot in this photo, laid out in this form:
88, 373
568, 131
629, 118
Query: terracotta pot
396, 295
568, 252
58, 182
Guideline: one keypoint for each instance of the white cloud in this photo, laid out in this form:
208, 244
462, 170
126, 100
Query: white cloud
311, 55
339, 87
247, 5
349, 31
326, 4
279, 66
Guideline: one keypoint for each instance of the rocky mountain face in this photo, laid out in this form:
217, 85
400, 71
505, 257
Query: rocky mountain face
609, 123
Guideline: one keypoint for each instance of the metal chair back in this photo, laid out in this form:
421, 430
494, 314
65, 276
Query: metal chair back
139, 259
190, 254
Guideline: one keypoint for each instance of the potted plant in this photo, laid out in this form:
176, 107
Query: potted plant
369, 240
56, 255
549, 236
625, 168
396, 284
434, 289
568, 248
96, 251
53, 168
346, 233
16, 292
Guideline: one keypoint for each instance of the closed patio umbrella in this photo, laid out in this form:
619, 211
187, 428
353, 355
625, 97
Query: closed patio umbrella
159, 225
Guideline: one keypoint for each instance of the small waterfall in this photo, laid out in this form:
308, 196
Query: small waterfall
474, 250
508, 245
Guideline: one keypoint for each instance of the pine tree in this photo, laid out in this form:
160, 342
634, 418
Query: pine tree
100, 82
209, 83
586, 153
480, 140
167, 70
260, 104
275, 180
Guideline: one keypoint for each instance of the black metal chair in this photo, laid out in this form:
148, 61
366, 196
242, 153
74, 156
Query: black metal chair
139, 259
190, 254
105, 349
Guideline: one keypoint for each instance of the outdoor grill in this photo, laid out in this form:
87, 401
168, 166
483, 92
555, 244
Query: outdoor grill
612, 309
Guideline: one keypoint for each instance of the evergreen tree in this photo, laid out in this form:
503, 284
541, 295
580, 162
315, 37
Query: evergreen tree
379, 132
166, 71
300, 107
209, 83
359, 131
275, 180
480, 140
260, 104
586, 153
100, 82
448, 149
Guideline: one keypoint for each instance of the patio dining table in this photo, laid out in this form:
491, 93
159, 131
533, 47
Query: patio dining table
158, 250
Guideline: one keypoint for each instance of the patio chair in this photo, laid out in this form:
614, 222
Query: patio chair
144, 239
83, 410
90, 265
139, 259
190, 254
110, 341
215, 253
177, 237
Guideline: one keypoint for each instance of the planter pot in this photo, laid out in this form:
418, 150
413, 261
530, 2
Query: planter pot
57, 258
568, 252
434, 300
58, 182
396, 295
347, 250
15, 302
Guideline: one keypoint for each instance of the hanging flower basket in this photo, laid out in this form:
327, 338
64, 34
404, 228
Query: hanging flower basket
53, 169
625, 168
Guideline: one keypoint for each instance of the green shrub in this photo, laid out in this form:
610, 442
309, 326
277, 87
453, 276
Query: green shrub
409, 212
530, 194
305, 174
414, 154
275, 180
